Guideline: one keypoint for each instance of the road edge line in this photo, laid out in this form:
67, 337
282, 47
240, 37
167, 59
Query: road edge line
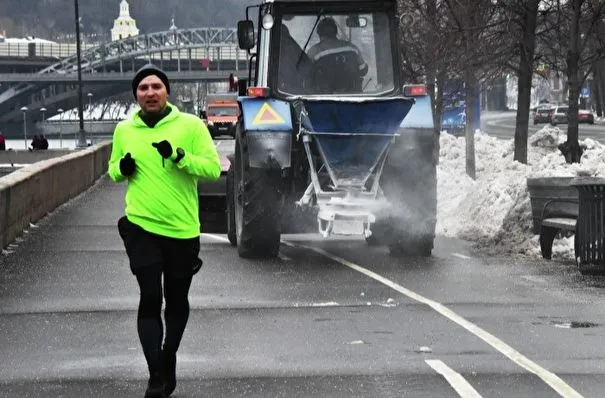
554, 381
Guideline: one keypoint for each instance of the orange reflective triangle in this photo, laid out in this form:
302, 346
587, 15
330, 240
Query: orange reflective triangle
266, 115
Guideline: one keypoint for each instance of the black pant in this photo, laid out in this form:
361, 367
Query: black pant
149, 321
151, 257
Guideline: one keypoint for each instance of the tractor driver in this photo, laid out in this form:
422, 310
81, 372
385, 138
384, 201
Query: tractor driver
339, 66
294, 64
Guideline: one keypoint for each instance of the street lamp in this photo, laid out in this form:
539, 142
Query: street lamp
60, 110
89, 95
82, 133
43, 110
24, 110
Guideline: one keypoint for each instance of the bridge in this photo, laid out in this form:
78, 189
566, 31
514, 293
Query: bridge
115, 77
187, 55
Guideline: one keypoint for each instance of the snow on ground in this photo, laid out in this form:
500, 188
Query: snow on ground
494, 210
25, 40
98, 112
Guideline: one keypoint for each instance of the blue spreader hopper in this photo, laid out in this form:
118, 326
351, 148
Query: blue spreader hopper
352, 137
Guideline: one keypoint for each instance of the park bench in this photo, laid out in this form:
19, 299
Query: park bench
558, 215
565, 212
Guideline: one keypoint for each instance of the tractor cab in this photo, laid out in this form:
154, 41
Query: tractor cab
337, 48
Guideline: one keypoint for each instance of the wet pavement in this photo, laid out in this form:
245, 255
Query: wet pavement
326, 319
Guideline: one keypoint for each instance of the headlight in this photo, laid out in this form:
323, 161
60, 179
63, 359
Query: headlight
210, 123
267, 21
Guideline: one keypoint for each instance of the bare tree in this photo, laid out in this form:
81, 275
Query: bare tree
451, 40
116, 106
520, 20
575, 33
427, 50
479, 47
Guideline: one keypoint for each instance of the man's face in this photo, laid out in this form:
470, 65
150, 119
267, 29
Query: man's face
151, 94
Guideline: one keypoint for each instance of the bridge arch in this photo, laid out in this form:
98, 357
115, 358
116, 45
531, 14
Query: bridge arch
152, 43
196, 42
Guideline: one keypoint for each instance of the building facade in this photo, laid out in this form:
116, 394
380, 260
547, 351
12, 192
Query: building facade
124, 25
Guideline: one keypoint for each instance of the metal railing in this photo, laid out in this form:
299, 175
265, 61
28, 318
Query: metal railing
63, 50
50, 50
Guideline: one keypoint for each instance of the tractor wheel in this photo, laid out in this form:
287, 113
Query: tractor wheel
230, 208
259, 203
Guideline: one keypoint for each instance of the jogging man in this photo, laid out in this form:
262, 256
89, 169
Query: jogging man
161, 153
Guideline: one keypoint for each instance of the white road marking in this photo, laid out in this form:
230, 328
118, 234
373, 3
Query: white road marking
282, 257
548, 377
217, 237
326, 304
460, 256
458, 383
355, 342
534, 279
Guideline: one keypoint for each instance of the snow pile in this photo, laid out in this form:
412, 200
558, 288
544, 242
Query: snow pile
494, 210
27, 39
99, 112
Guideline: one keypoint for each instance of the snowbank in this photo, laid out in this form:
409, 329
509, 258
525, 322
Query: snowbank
494, 210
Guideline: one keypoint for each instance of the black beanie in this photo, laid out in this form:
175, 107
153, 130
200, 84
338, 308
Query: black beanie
148, 70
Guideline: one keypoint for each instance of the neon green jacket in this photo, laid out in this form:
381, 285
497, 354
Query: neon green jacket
163, 198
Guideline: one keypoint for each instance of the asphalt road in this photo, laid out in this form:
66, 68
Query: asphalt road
502, 125
326, 319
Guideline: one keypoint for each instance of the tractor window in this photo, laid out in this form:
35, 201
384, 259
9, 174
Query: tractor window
346, 54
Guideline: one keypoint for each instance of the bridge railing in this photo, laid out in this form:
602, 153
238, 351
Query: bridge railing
63, 50
71, 127
56, 50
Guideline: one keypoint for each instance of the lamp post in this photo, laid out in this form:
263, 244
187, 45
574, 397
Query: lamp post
24, 110
43, 110
60, 110
82, 134
89, 95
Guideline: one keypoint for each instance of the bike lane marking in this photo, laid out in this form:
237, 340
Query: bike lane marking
554, 381
458, 383
220, 238
462, 256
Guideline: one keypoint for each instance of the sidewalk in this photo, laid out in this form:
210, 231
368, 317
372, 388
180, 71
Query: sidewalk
68, 304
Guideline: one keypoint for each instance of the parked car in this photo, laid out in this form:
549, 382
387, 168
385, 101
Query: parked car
559, 115
585, 116
542, 113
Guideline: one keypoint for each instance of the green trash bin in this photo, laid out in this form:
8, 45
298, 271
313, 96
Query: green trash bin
590, 226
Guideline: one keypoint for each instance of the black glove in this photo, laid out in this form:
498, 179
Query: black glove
164, 148
127, 165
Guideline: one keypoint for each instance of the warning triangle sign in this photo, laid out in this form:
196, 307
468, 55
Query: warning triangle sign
266, 115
